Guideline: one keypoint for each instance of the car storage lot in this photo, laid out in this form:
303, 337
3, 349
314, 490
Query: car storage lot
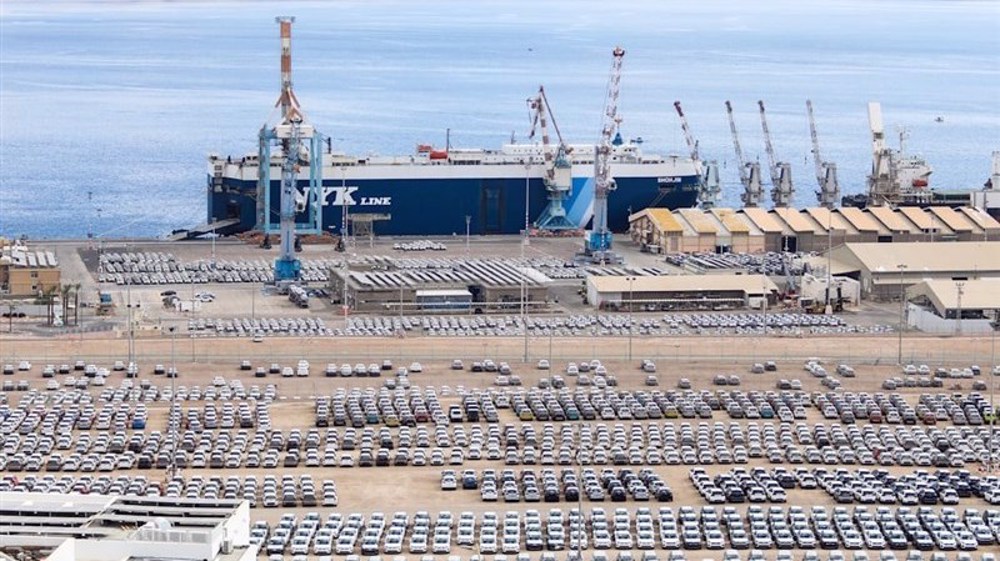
418, 488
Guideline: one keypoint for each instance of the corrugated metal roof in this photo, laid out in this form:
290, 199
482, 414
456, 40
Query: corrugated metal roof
763, 220
795, 221
751, 284
859, 219
662, 218
980, 294
981, 219
922, 256
920, 218
890, 219
731, 220
837, 223
696, 218
952, 219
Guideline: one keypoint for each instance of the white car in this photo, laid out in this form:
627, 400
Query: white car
416, 367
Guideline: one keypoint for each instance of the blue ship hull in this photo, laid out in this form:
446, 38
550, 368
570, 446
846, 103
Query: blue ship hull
438, 207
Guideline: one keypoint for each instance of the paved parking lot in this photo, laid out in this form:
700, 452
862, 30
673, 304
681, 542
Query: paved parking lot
257, 437
786, 463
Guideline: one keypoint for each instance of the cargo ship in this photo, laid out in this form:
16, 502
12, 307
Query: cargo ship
442, 192
432, 192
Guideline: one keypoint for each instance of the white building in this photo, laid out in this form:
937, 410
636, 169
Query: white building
76, 527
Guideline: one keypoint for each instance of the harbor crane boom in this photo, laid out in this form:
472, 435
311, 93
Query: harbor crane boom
707, 172
782, 189
598, 244
826, 172
558, 176
749, 171
881, 188
300, 145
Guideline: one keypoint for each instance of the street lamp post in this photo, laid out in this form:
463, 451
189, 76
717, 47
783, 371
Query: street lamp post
524, 243
631, 279
173, 403
468, 224
958, 316
902, 303
995, 325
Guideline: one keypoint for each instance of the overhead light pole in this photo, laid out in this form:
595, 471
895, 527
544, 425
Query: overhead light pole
902, 310
631, 280
994, 372
173, 404
524, 244
959, 286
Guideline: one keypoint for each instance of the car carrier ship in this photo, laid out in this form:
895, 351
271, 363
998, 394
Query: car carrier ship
432, 192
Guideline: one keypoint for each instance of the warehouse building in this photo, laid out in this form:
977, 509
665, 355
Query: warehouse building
884, 270
74, 527
473, 285
680, 292
952, 307
752, 230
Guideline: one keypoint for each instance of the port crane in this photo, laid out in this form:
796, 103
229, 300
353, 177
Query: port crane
301, 145
598, 242
881, 182
749, 171
558, 176
994, 181
707, 172
782, 189
826, 172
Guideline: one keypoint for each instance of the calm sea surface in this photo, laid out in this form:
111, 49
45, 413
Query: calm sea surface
123, 100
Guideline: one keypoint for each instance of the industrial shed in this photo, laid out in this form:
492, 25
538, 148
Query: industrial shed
936, 306
476, 284
877, 266
753, 230
679, 292
656, 230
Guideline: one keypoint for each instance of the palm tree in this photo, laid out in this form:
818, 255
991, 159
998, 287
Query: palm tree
49, 299
76, 303
11, 310
64, 292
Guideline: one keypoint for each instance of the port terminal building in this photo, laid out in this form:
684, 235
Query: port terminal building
75, 527
680, 292
954, 307
886, 270
26, 272
752, 230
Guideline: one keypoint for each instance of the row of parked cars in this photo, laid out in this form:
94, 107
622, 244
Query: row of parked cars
598, 530
208, 441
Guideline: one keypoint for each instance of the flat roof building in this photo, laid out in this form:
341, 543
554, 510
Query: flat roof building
679, 292
76, 527
25, 272
883, 269
946, 306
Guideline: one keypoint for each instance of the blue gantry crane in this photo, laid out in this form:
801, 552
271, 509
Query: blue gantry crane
301, 145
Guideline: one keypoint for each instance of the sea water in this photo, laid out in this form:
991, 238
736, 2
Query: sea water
108, 109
